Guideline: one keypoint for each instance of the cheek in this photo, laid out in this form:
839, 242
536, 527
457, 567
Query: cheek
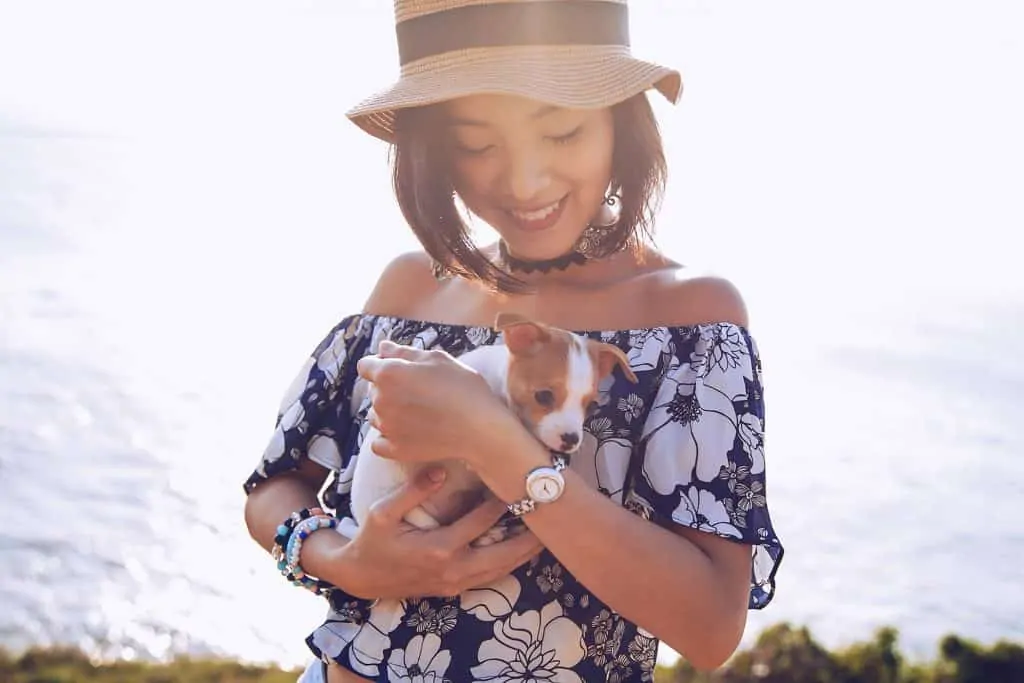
593, 158
588, 168
474, 180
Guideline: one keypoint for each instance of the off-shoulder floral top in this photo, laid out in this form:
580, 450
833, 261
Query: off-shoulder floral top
684, 445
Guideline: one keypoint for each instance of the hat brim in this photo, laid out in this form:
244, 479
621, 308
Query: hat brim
568, 77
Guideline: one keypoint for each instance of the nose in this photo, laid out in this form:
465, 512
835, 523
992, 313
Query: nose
527, 176
569, 440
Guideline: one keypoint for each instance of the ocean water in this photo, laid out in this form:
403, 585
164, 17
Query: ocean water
170, 251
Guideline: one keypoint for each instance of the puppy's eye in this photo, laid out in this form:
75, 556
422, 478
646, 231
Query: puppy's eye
592, 407
545, 397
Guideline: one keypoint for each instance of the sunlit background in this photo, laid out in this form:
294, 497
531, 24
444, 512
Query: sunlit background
185, 211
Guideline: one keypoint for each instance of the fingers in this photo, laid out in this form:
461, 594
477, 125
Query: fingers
473, 524
487, 565
368, 367
388, 353
389, 349
390, 509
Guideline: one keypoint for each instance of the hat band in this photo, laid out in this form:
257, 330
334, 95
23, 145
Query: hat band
504, 24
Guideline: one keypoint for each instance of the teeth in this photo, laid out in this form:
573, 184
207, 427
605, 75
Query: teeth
538, 215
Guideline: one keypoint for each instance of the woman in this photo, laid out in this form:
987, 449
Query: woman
533, 114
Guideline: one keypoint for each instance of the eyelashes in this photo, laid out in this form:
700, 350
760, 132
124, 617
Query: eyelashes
567, 137
472, 151
564, 139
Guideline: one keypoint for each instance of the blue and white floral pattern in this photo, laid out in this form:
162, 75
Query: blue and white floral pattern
684, 445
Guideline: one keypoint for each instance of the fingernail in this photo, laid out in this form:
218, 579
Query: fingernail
436, 474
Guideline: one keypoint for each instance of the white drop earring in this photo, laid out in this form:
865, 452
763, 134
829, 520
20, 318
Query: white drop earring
593, 242
609, 213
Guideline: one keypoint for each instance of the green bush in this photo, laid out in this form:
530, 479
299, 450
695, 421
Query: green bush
781, 654
786, 654
66, 665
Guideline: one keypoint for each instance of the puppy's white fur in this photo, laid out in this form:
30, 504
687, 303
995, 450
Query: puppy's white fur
586, 363
374, 477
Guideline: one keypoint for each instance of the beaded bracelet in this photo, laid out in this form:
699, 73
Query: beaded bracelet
302, 531
292, 568
284, 530
283, 541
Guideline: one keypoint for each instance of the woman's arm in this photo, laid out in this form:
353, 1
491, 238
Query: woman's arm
272, 501
687, 587
437, 562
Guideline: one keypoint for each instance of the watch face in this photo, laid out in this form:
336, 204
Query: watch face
545, 486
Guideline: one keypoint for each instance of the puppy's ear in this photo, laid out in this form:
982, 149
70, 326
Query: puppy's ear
608, 356
521, 335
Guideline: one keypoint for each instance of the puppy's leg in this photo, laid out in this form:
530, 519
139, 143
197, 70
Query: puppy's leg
495, 534
498, 533
421, 519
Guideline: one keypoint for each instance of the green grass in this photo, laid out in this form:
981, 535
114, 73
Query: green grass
67, 665
781, 654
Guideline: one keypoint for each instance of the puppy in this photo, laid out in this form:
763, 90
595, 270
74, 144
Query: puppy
547, 376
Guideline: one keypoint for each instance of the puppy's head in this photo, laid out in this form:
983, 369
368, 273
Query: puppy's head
553, 377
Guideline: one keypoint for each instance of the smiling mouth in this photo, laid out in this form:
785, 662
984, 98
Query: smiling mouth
541, 218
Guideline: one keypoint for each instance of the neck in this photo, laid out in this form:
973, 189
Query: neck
590, 274
520, 266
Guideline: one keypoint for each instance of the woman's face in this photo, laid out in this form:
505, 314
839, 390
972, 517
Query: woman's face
536, 173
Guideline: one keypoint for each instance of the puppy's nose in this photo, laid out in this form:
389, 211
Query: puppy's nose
569, 440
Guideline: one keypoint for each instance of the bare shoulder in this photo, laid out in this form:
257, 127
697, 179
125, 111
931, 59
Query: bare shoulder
406, 281
687, 296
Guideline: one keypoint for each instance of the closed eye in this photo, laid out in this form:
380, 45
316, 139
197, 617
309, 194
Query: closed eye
567, 137
473, 151
544, 397
592, 407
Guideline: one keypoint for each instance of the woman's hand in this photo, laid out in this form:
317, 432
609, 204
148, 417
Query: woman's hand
391, 559
428, 406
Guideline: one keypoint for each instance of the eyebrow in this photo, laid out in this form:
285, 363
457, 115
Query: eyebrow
539, 113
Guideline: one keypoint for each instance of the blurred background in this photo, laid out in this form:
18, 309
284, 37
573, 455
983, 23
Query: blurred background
185, 212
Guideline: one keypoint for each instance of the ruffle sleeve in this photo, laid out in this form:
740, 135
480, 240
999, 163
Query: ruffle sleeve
314, 419
701, 460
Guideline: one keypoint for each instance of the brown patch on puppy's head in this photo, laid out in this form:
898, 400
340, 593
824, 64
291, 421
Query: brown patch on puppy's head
553, 377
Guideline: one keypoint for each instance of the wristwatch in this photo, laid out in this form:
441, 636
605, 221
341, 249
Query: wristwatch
543, 485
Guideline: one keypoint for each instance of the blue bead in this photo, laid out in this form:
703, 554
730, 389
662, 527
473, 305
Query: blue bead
282, 530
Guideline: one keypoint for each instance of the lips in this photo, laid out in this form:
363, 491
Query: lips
540, 218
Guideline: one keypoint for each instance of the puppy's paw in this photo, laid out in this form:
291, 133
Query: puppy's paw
496, 534
421, 519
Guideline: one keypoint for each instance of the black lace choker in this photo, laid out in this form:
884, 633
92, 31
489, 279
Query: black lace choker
558, 263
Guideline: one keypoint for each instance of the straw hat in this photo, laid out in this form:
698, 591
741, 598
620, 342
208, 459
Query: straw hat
570, 53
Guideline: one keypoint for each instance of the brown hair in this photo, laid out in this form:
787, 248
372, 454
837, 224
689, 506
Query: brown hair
422, 184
